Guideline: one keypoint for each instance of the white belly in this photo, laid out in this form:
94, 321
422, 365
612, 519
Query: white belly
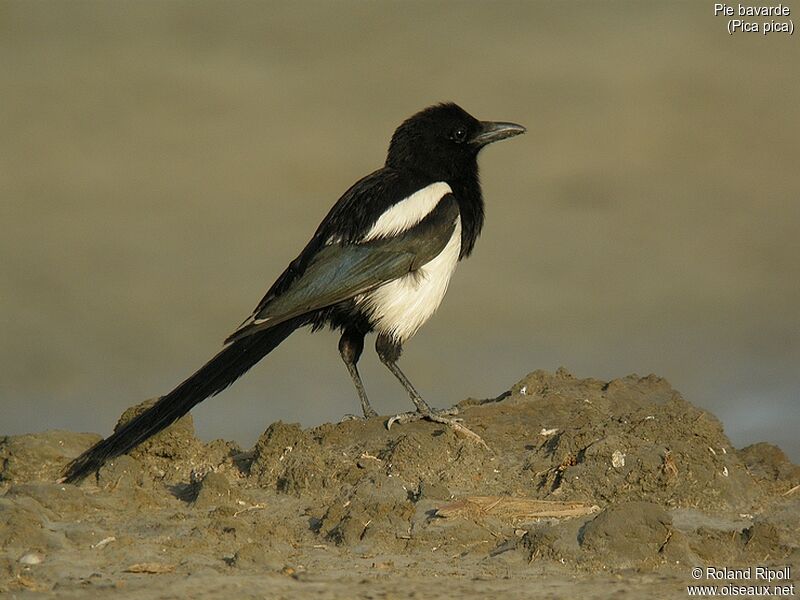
399, 308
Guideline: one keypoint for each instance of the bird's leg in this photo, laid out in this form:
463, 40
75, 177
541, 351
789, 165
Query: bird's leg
351, 344
389, 352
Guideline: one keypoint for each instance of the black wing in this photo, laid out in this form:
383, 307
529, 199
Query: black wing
341, 271
346, 223
348, 220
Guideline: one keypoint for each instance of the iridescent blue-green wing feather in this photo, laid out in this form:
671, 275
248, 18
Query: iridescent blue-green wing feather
341, 271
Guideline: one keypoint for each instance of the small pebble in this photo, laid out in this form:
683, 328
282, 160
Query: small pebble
32, 558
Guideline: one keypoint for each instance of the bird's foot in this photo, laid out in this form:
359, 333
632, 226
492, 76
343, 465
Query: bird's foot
443, 416
433, 415
368, 414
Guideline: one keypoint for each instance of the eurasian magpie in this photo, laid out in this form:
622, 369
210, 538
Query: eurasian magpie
380, 262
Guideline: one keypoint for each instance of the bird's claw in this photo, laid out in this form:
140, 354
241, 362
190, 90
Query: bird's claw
433, 415
352, 417
438, 416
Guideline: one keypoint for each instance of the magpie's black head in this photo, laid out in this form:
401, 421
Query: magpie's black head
443, 141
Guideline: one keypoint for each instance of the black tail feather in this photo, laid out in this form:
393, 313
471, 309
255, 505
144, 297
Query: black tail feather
213, 377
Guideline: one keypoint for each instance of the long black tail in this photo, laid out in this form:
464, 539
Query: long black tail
213, 377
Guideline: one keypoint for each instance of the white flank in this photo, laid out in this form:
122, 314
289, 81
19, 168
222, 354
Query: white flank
409, 211
400, 307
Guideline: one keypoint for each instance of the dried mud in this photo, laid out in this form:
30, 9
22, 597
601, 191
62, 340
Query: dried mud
651, 484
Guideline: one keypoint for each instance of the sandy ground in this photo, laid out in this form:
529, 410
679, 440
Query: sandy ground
587, 489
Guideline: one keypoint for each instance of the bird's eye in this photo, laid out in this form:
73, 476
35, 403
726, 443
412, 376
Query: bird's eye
458, 135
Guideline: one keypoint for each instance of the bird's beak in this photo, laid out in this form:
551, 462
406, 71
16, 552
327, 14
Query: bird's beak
494, 131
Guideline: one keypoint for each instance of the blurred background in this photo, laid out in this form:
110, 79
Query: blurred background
161, 162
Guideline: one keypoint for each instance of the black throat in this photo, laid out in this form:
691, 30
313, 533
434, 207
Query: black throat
467, 190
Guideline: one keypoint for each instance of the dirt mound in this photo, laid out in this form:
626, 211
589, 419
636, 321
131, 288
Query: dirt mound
649, 482
551, 437
40, 456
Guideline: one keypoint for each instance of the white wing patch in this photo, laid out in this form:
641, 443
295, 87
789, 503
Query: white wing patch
409, 211
400, 307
